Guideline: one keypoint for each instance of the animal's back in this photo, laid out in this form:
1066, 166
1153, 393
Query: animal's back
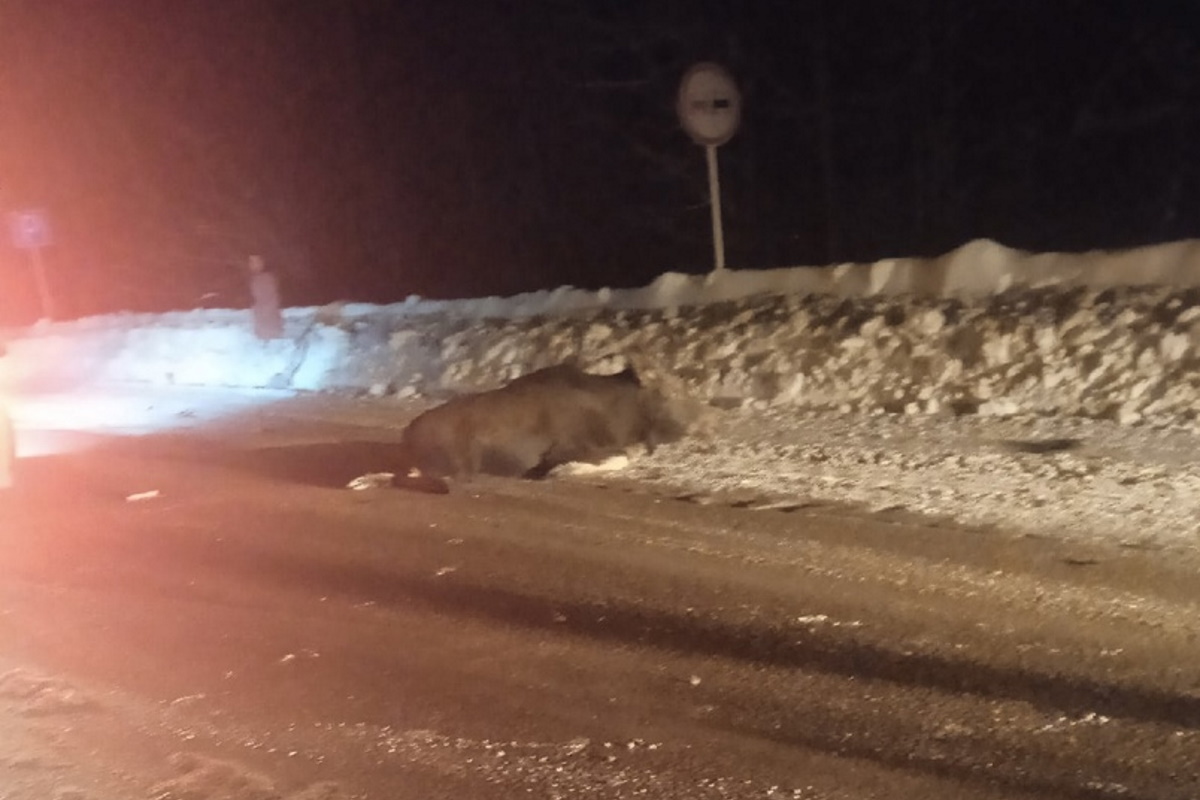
437, 439
537, 422
492, 432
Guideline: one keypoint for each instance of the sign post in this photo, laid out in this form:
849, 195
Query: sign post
8, 446
31, 232
710, 108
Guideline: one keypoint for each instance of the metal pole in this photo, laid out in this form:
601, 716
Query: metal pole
8, 448
714, 201
35, 253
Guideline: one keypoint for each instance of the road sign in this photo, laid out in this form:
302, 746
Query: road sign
30, 229
710, 108
709, 104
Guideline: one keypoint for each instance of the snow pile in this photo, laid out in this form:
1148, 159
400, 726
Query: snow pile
1123, 354
1120, 354
982, 330
986, 385
1058, 477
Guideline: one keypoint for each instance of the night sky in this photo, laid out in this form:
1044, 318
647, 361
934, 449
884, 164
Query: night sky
451, 148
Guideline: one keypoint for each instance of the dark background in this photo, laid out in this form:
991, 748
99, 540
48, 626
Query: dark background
372, 150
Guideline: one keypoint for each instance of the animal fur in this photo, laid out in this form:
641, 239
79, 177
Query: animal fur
537, 422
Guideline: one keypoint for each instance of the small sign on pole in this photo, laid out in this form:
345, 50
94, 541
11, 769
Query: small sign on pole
710, 109
30, 231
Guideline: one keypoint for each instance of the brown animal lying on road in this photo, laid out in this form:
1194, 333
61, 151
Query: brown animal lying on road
537, 422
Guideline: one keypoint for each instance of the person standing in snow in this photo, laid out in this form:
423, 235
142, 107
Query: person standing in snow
264, 295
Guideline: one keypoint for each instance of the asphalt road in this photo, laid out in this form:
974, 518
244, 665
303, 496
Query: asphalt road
256, 631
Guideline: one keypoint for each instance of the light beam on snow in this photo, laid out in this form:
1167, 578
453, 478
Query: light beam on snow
71, 420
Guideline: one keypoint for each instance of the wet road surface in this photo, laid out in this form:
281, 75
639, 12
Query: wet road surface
251, 629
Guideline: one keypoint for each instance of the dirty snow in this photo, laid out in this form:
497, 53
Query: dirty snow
1053, 394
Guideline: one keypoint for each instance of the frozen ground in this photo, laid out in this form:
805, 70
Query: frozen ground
1068, 478
1053, 394
1033, 416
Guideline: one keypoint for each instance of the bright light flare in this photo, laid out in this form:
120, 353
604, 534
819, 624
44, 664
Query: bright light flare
65, 421
69, 389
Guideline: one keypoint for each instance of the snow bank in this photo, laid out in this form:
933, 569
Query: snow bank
981, 330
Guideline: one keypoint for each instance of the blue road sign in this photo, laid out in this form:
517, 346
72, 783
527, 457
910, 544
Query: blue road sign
30, 229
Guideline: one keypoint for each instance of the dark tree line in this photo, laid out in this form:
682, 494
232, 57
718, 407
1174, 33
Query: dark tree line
371, 149
908, 127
